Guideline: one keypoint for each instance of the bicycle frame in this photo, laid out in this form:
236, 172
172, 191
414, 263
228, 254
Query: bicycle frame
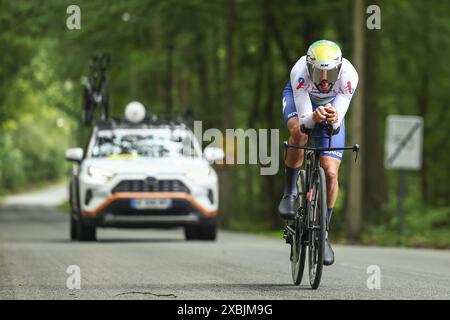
312, 163
307, 231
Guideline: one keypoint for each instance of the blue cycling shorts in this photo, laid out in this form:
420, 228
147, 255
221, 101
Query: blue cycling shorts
320, 136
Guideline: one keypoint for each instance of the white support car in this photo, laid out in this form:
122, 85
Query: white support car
151, 176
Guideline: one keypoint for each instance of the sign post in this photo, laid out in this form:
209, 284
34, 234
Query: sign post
403, 151
401, 197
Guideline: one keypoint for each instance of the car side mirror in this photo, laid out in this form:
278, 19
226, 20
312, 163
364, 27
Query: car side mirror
213, 154
74, 154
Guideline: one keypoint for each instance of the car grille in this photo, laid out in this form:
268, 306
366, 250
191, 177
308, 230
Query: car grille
156, 186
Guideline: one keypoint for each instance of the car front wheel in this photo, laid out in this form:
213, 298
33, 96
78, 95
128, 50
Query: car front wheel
85, 232
206, 230
73, 227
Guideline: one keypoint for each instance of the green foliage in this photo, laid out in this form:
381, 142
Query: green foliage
35, 134
171, 54
32, 152
422, 228
12, 165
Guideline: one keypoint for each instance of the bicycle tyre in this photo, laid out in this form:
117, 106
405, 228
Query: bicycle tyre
105, 100
298, 248
87, 108
317, 236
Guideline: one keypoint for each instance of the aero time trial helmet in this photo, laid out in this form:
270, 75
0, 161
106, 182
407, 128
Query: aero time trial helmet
324, 61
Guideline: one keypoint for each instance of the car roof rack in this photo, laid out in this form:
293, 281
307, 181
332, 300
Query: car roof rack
151, 121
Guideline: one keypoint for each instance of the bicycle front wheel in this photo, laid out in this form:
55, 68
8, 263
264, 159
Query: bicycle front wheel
298, 246
317, 216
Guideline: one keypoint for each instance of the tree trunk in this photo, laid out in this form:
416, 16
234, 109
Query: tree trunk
228, 110
423, 106
252, 117
259, 78
226, 179
423, 98
308, 31
169, 79
355, 192
375, 183
216, 76
272, 196
202, 70
271, 22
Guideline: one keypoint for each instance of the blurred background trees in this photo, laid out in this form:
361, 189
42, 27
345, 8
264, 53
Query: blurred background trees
229, 61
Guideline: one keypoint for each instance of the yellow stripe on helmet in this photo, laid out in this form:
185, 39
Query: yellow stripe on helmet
325, 50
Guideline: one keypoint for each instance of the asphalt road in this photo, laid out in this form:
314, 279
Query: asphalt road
35, 252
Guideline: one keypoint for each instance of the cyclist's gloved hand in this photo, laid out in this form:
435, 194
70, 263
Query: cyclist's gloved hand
331, 113
319, 115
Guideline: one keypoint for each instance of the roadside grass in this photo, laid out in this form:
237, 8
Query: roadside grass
422, 229
64, 207
438, 239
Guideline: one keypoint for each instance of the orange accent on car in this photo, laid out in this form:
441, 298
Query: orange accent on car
150, 195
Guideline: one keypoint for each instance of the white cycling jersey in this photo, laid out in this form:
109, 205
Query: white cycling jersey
306, 95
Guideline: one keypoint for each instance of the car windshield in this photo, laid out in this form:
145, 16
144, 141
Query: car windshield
149, 143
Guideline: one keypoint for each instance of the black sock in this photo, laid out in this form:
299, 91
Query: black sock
290, 181
329, 214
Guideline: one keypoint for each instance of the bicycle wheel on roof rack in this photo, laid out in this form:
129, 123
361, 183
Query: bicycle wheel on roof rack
105, 100
87, 107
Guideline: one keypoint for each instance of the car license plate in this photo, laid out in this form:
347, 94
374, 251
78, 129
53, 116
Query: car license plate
141, 204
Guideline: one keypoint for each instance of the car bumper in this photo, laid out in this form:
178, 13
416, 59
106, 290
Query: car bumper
134, 221
116, 211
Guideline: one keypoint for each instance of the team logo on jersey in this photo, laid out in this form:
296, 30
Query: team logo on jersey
301, 82
347, 89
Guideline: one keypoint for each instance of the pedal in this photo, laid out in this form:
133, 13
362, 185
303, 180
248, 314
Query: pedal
287, 237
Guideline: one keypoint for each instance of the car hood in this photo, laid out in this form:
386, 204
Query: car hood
147, 165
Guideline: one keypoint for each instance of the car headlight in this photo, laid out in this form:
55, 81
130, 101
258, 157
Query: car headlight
198, 174
99, 174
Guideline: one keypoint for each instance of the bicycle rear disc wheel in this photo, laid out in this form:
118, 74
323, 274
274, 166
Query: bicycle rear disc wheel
298, 248
318, 216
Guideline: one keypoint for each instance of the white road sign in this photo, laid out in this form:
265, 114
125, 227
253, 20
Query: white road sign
403, 144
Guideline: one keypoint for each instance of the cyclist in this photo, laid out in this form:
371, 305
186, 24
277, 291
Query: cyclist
320, 90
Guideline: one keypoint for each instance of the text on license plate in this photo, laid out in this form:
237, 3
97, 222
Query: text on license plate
150, 203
